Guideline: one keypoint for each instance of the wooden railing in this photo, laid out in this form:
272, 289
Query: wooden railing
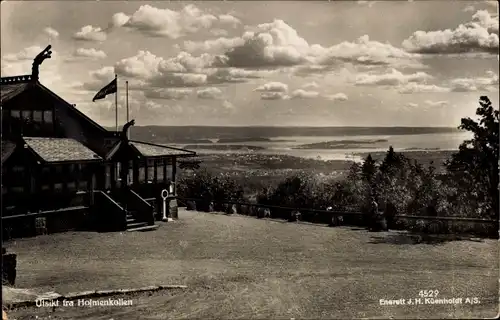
16, 79
338, 211
430, 224
142, 209
108, 213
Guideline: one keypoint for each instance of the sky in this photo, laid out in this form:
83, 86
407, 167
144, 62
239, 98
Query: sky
283, 63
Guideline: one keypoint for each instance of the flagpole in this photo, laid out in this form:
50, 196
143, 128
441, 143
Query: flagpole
126, 89
116, 103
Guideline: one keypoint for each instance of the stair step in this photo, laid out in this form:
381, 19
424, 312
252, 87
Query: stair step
136, 225
131, 220
145, 228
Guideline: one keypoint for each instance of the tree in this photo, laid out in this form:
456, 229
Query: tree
475, 165
368, 169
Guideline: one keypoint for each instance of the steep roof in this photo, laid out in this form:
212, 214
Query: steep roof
8, 148
60, 150
155, 150
9, 91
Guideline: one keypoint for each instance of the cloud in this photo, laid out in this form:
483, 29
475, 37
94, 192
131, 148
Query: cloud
183, 70
469, 9
90, 33
235, 75
277, 44
413, 87
89, 53
229, 19
310, 85
479, 35
273, 87
303, 94
28, 53
493, 3
220, 45
274, 96
227, 105
273, 91
367, 3
52, 33
219, 32
436, 103
167, 94
393, 78
119, 19
487, 83
337, 97
209, 93
157, 22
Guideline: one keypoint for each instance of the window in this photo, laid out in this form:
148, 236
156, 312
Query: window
118, 170
58, 186
71, 186
37, 116
107, 182
160, 163
151, 173
142, 173
17, 169
45, 187
17, 189
27, 115
47, 116
169, 173
130, 175
82, 185
15, 114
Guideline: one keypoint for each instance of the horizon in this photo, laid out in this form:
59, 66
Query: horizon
234, 64
277, 126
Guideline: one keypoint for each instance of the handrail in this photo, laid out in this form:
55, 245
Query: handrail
108, 198
114, 216
337, 212
42, 213
138, 197
144, 209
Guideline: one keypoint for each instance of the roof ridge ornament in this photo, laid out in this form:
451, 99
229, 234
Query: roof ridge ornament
124, 135
45, 54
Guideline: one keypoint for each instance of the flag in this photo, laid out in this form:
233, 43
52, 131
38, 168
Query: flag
109, 89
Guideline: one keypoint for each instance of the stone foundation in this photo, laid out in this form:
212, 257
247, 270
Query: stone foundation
9, 264
173, 209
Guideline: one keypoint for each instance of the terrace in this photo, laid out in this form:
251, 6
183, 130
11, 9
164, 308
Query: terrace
239, 267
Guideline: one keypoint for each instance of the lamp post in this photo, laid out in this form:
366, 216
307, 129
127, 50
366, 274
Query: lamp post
164, 196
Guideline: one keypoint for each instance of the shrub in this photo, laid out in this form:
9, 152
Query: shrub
210, 190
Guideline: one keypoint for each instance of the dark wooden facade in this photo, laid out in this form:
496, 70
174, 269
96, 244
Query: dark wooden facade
54, 158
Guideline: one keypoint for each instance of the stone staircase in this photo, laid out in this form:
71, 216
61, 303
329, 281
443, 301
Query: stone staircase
134, 224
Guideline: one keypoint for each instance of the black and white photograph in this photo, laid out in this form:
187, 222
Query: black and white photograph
250, 159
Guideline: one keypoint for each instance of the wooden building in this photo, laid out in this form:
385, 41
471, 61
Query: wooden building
61, 167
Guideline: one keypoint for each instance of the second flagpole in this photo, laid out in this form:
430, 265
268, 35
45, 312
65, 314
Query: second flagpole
126, 92
116, 103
